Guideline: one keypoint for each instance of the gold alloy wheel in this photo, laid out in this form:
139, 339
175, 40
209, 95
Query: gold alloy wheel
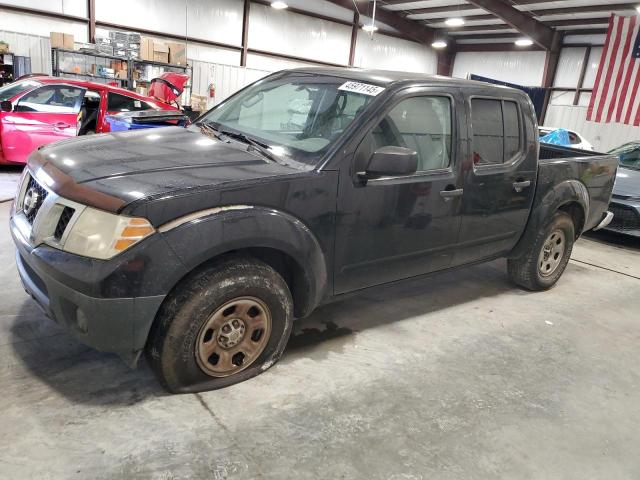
551, 253
233, 336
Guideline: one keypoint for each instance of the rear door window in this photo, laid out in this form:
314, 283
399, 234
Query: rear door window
497, 131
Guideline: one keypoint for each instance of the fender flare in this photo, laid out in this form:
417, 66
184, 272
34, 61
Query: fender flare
202, 236
568, 191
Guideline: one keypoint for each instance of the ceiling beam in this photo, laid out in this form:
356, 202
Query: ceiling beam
537, 31
479, 28
417, 31
467, 18
586, 22
613, 7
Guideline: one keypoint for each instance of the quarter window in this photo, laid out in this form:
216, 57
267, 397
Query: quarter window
496, 131
422, 124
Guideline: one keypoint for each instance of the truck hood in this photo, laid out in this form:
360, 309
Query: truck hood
627, 183
152, 162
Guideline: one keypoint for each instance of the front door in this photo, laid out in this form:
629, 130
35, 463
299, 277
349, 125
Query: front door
499, 178
397, 227
42, 116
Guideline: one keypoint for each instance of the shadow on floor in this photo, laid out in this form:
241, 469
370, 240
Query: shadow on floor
90, 377
612, 238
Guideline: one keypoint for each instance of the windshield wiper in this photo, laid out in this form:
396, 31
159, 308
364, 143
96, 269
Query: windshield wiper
209, 130
257, 145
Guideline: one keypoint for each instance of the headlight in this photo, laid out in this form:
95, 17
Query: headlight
103, 235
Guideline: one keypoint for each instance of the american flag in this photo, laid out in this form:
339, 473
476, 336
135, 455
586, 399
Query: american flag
615, 93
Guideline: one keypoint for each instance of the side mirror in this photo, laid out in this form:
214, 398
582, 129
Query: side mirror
6, 106
392, 162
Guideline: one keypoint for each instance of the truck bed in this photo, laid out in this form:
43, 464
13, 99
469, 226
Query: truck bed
596, 171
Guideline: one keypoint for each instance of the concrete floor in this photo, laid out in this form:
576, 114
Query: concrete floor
458, 376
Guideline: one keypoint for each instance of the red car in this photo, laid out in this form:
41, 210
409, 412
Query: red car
40, 110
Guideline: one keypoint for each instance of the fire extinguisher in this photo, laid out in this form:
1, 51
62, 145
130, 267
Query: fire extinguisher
212, 90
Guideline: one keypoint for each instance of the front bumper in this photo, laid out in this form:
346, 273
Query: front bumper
110, 324
626, 217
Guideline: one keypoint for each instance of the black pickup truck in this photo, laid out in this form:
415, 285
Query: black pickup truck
200, 245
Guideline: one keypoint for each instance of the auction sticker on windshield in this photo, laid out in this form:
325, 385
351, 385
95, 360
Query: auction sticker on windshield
363, 88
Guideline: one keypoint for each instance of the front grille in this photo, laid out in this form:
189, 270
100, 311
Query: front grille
65, 218
33, 199
625, 219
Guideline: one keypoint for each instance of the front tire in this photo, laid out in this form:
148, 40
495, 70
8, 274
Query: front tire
223, 325
542, 266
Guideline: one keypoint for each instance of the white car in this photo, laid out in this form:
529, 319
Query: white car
577, 140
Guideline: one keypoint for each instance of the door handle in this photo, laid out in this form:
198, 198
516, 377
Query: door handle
521, 185
447, 194
61, 125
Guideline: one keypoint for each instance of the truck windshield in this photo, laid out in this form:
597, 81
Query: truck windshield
9, 91
297, 116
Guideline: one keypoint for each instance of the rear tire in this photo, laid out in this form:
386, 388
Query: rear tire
542, 266
223, 325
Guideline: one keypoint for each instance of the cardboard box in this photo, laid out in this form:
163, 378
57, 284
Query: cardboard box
61, 40
146, 49
121, 74
160, 52
198, 103
177, 54
4, 47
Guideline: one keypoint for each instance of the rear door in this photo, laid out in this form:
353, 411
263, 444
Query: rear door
397, 227
118, 103
42, 116
499, 177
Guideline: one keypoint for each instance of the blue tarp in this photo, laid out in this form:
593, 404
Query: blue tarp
557, 137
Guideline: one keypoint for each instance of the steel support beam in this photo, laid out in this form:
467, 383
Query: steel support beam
445, 57
416, 31
354, 38
91, 26
245, 33
537, 31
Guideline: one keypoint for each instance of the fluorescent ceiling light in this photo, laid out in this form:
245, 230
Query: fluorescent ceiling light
439, 44
279, 5
524, 42
454, 22
638, 8
370, 28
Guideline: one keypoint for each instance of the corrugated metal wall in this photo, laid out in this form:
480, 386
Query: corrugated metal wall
38, 48
603, 136
227, 79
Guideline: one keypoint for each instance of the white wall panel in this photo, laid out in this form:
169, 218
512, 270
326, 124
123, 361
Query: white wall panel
289, 33
390, 53
40, 25
603, 136
36, 47
322, 7
569, 67
522, 68
273, 64
227, 79
69, 7
592, 67
218, 21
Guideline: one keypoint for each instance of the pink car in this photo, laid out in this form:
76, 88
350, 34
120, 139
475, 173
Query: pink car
40, 110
